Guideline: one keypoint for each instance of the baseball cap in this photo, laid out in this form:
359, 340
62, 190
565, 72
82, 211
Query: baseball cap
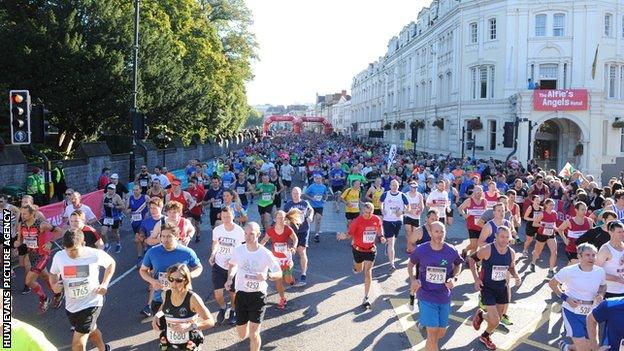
176, 182
114, 176
111, 186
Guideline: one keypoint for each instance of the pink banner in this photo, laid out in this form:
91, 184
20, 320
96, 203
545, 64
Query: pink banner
560, 100
54, 212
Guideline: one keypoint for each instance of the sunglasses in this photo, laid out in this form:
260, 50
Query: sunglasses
68, 194
177, 280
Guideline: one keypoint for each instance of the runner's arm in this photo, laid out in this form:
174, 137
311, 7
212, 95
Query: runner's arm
154, 237
482, 253
294, 239
198, 306
485, 233
537, 222
561, 230
144, 272
265, 240
108, 274
190, 200
197, 271
512, 268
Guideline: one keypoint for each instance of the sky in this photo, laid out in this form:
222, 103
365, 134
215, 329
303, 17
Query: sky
318, 46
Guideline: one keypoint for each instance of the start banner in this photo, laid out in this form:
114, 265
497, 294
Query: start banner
560, 100
54, 212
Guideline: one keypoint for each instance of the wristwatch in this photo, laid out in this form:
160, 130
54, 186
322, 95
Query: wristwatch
194, 326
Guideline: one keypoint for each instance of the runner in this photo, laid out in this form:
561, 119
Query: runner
145, 231
196, 190
243, 189
393, 205
572, 229
15, 212
78, 267
143, 179
137, 208
279, 234
546, 224
34, 233
228, 177
317, 194
173, 211
230, 199
303, 232
516, 214
374, 194
497, 262
491, 195
491, 227
256, 265
225, 238
611, 313
364, 231
438, 199
76, 204
182, 315
585, 286
618, 206
539, 188
411, 219
599, 236
531, 212
471, 209
286, 171
160, 257
421, 236
611, 259
181, 196
214, 198
338, 182
351, 198
156, 190
112, 213
438, 264
267, 191
91, 237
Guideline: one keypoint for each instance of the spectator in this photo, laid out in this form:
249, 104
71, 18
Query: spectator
58, 179
103, 181
35, 186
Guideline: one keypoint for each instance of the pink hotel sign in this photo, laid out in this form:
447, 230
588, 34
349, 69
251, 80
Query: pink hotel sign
560, 100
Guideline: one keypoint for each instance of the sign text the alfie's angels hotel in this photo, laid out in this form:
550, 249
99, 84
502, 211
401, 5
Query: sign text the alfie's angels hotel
560, 100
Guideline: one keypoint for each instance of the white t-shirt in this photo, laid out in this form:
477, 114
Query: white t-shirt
579, 284
89, 215
226, 242
81, 277
164, 181
287, 171
250, 263
440, 201
393, 203
414, 201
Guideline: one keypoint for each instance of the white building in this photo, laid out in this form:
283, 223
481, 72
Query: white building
463, 61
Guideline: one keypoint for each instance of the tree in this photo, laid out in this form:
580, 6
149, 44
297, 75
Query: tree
255, 119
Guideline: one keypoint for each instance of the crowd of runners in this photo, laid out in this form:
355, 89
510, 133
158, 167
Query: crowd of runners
511, 211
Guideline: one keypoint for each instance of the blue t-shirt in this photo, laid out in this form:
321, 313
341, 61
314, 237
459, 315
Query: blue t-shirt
612, 311
502, 187
158, 259
303, 206
440, 264
147, 225
228, 179
338, 173
317, 193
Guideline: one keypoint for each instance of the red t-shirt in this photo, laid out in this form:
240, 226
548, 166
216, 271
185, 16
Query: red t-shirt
364, 232
198, 195
103, 182
279, 242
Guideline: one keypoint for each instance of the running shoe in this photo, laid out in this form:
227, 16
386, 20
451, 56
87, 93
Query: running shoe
392, 269
506, 320
366, 304
302, 281
477, 319
551, 272
44, 305
26, 290
106, 247
532, 267
317, 238
117, 248
221, 316
58, 300
282, 303
485, 340
107, 347
146, 311
232, 317
562, 345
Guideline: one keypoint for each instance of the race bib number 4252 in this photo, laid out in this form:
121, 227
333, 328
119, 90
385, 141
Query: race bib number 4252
436, 275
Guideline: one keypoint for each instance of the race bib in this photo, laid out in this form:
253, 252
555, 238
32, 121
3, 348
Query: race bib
354, 204
318, 198
136, 217
583, 309
415, 209
143, 182
31, 242
225, 250
217, 203
575, 234
369, 237
542, 197
474, 212
548, 231
266, 197
476, 219
499, 273
175, 337
108, 221
251, 282
280, 248
436, 275
226, 184
519, 199
490, 204
79, 289
162, 278
240, 190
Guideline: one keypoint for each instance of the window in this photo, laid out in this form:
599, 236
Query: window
469, 137
482, 84
540, 25
474, 33
621, 140
611, 85
558, 24
565, 75
492, 142
492, 26
608, 24
622, 26
548, 75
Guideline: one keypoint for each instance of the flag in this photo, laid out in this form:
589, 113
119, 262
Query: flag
392, 154
595, 63
567, 170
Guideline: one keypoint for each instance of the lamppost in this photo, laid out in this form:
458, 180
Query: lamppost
134, 113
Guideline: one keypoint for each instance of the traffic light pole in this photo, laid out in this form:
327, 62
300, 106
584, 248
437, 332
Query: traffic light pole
47, 174
135, 90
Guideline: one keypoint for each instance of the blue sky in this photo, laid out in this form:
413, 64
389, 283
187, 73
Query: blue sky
318, 46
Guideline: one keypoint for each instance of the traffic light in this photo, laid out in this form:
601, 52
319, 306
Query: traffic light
39, 126
19, 107
508, 134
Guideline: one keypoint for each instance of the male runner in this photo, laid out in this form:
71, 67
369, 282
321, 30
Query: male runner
317, 194
303, 231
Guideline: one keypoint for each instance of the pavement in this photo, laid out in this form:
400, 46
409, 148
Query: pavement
326, 314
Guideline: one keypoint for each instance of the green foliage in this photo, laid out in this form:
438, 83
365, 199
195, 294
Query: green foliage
76, 56
255, 119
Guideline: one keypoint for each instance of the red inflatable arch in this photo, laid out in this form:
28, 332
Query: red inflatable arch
297, 121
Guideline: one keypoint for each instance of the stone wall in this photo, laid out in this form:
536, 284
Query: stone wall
82, 173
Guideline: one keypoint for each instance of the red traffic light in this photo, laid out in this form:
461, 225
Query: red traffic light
18, 98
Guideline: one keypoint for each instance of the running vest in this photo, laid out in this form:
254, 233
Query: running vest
144, 180
277, 188
241, 189
521, 195
620, 213
491, 199
549, 220
474, 212
494, 269
613, 267
393, 203
31, 237
180, 198
177, 314
414, 201
541, 192
490, 239
134, 206
182, 226
574, 232
376, 196
110, 212
160, 194
425, 236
